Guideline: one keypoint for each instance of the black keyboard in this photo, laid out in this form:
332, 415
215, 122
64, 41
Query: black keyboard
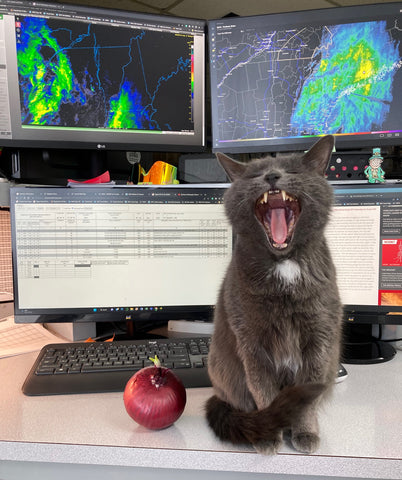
68, 368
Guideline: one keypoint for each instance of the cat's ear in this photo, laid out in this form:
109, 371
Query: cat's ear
319, 154
233, 168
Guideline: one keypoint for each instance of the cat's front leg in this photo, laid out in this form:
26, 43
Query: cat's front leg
263, 390
270, 447
316, 367
305, 432
259, 378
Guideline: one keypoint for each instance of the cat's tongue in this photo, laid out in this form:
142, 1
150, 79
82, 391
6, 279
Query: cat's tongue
279, 226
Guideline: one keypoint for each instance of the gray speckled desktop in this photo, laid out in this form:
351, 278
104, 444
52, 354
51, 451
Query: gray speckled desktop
361, 433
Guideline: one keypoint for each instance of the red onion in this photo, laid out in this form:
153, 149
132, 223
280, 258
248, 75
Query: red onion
154, 397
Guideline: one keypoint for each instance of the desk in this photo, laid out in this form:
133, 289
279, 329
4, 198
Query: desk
91, 436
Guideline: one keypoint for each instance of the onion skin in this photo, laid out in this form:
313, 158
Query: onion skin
154, 397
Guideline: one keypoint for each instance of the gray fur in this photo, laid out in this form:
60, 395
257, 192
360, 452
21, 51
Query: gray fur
278, 315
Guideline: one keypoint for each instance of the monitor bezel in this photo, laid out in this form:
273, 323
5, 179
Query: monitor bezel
338, 15
370, 313
84, 315
109, 139
359, 313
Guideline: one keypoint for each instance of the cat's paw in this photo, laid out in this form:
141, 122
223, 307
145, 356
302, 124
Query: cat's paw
305, 442
269, 447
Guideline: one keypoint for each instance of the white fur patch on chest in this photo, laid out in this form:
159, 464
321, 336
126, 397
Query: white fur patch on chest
288, 271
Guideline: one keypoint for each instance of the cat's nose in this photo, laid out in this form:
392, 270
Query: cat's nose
272, 178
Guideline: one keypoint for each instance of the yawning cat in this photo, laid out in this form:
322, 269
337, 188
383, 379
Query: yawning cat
275, 348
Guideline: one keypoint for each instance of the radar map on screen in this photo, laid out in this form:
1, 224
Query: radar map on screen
308, 81
75, 74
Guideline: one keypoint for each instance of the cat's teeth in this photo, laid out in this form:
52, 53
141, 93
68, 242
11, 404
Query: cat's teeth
285, 196
280, 246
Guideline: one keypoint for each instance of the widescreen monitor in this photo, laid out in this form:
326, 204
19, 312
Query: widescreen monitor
365, 239
86, 77
138, 253
151, 251
280, 81
155, 253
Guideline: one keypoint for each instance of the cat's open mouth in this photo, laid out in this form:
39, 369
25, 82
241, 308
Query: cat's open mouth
278, 213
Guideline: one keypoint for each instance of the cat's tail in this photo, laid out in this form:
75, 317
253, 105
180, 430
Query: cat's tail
258, 426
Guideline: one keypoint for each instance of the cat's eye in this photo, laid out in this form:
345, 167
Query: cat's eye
253, 174
292, 172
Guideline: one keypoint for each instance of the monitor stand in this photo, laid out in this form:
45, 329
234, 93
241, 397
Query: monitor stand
360, 347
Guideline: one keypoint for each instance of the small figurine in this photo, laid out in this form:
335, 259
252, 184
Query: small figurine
374, 172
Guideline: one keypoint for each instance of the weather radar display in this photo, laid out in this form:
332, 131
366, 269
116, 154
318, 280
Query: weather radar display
349, 81
88, 75
287, 79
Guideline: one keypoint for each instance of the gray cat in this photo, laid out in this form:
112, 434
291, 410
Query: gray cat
275, 349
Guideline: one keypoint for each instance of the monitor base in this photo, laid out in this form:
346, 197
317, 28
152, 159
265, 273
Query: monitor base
367, 351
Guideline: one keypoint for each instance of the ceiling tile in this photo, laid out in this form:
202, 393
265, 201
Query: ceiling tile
209, 9
158, 4
216, 9
348, 3
120, 5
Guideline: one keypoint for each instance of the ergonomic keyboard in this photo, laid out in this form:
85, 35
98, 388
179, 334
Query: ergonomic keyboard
94, 367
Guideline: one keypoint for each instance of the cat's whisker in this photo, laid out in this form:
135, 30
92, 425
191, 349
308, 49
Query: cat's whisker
310, 197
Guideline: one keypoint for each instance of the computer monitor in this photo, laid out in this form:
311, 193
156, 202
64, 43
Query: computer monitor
82, 77
280, 81
365, 240
124, 253
93, 254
